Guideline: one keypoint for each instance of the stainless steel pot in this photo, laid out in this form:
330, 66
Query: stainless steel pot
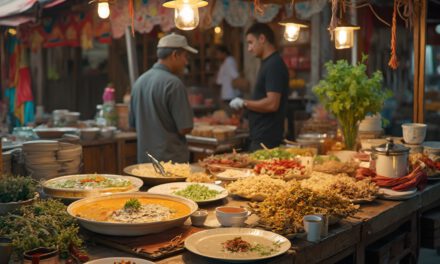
391, 159
314, 140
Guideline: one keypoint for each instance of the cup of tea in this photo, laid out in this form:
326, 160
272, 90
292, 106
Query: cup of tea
41, 255
313, 225
198, 218
231, 215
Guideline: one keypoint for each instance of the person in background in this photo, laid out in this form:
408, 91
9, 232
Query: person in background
267, 108
227, 73
159, 106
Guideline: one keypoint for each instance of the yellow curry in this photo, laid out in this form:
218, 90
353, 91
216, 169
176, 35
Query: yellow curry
112, 210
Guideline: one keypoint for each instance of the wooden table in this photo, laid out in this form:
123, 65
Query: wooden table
350, 239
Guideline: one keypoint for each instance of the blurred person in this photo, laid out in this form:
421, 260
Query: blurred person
268, 106
159, 106
227, 73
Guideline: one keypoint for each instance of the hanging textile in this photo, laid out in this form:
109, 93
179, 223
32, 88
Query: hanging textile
54, 36
149, 13
304, 10
237, 12
270, 12
119, 18
218, 14
19, 92
72, 30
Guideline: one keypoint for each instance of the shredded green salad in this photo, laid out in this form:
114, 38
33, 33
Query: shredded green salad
276, 153
197, 192
93, 181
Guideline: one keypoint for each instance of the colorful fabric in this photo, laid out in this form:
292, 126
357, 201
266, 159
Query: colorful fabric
19, 93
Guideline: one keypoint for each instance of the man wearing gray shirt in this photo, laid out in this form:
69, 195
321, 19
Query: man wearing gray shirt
160, 110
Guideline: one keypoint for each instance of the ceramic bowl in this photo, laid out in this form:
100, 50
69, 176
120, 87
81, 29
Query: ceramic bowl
414, 133
231, 215
89, 133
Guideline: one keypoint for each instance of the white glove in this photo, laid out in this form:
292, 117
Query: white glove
236, 103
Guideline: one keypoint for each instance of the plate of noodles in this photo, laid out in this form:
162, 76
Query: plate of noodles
175, 172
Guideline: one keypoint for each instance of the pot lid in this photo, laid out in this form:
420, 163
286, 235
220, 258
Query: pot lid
390, 148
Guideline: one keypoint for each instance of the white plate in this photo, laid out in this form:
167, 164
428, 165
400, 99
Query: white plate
77, 193
170, 188
395, 195
240, 174
119, 259
209, 243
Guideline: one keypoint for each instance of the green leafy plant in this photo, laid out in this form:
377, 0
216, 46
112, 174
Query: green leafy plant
349, 94
16, 188
45, 223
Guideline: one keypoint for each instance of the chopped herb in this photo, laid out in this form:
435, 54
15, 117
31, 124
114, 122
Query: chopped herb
132, 205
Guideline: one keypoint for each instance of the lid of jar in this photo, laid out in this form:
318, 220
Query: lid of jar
391, 149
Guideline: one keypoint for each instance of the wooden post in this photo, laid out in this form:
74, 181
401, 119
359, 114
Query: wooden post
1, 158
419, 60
133, 68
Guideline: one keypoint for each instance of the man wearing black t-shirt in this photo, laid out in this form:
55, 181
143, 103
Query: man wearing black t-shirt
267, 109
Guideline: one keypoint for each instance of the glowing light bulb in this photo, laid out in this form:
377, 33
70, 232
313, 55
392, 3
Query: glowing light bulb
12, 31
342, 37
186, 17
103, 10
291, 33
218, 30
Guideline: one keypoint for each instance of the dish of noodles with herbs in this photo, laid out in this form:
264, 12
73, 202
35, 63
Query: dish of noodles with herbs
132, 210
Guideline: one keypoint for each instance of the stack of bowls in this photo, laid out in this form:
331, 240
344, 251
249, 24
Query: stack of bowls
69, 157
40, 158
47, 159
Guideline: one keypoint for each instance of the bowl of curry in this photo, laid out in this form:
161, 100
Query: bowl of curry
132, 214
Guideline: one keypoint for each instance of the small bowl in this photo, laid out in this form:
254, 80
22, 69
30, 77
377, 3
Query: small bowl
414, 133
89, 133
231, 215
198, 218
107, 132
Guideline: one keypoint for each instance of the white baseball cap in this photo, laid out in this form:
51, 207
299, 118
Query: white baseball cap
175, 41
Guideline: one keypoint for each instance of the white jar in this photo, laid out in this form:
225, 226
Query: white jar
391, 159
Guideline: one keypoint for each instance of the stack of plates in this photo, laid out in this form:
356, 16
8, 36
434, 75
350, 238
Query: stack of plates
389, 194
47, 159
69, 157
40, 158
7, 162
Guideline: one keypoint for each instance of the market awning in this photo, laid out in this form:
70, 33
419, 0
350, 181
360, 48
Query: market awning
9, 9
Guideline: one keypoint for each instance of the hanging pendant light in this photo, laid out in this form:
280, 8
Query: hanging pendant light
292, 26
103, 8
344, 35
186, 12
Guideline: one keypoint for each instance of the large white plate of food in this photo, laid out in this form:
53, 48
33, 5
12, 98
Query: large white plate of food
237, 244
73, 187
175, 172
132, 214
120, 260
198, 192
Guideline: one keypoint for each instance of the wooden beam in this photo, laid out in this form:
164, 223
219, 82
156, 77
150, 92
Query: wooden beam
420, 9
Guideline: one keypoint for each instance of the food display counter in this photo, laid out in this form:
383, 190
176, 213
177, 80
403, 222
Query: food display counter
352, 239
